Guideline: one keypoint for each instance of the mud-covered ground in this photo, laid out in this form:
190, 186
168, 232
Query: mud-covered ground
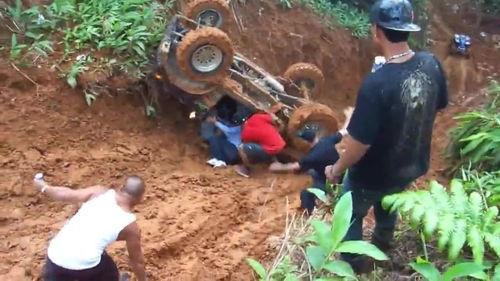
198, 223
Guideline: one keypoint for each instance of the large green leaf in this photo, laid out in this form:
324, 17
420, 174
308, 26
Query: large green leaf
341, 219
340, 268
319, 193
322, 235
362, 248
461, 270
258, 268
316, 256
427, 270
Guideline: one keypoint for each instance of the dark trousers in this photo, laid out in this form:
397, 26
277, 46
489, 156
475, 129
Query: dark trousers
362, 200
222, 149
308, 199
106, 270
207, 130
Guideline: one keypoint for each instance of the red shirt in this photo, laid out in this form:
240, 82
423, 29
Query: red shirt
260, 129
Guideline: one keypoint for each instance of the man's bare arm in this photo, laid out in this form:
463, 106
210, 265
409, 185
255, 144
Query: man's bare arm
354, 151
66, 194
132, 236
280, 167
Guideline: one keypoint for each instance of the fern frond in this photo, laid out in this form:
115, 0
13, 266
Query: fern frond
475, 206
457, 239
445, 228
494, 242
431, 220
489, 217
458, 196
417, 214
440, 196
476, 243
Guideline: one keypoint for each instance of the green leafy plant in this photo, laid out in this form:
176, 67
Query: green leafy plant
345, 14
486, 183
131, 27
287, 4
476, 140
431, 273
285, 271
16, 49
39, 45
325, 242
454, 217
76, 68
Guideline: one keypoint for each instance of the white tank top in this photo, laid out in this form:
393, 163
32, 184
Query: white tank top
81, 242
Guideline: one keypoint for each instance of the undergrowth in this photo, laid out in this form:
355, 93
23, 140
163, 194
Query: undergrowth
476, 140
456, 218
344, 13
315, 249
113, 35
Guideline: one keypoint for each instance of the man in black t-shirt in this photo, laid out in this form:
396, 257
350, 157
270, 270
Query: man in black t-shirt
389, 135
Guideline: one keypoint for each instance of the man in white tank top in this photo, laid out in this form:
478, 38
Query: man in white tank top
77, 252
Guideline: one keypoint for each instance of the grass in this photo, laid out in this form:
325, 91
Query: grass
344, 14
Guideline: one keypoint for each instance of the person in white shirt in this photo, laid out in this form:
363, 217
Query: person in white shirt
77, 252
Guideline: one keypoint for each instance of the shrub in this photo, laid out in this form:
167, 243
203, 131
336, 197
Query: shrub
454, 217
476, 140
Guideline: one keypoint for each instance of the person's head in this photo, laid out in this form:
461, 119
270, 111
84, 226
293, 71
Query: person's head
392, 22
133, 188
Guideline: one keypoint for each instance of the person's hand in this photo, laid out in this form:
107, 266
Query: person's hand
40, 184
331, 175
275, 167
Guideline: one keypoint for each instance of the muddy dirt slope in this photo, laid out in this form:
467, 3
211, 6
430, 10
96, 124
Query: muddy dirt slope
198, 223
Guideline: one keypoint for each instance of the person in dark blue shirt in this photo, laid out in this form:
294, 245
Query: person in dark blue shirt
389, 136
322, 153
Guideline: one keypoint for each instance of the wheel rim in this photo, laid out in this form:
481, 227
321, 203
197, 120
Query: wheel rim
206, 58
209, 17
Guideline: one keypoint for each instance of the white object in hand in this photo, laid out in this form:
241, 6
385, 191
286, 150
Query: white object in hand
39, 179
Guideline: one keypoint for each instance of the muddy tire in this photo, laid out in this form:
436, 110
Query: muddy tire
312, 113
306, 75
205, 55
210, 13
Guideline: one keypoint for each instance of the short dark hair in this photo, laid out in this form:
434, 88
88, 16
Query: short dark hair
134, 186
395, 36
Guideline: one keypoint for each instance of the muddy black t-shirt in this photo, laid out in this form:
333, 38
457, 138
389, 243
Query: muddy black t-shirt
394, 114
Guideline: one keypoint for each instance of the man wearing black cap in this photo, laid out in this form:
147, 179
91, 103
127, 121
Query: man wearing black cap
389, 135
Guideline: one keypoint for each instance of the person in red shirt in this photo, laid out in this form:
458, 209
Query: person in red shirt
261, 140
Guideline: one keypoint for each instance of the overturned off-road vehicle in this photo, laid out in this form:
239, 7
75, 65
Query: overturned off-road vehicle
197, 56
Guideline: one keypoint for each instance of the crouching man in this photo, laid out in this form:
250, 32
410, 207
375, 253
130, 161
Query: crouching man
77, 252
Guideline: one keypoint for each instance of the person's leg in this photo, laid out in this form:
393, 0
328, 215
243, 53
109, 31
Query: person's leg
360, 207
106, 270
385, 221
384, 227
230, 152
308, 199
53, 272
214, 144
